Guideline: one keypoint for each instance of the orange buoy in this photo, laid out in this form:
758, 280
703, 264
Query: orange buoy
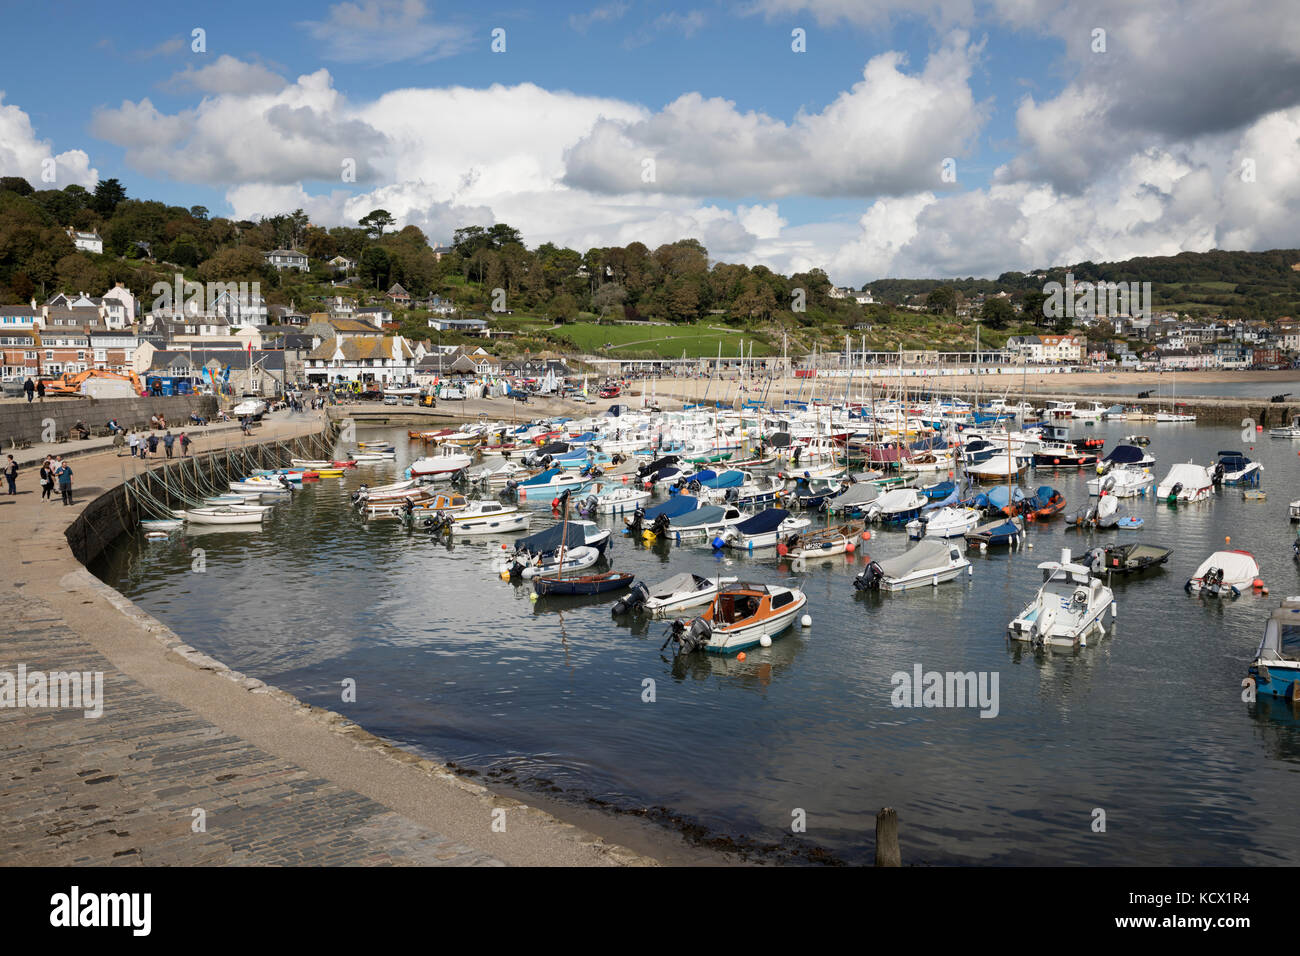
850, 547
866, 535
740, 656
1257, 583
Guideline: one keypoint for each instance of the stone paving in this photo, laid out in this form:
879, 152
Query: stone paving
279, 783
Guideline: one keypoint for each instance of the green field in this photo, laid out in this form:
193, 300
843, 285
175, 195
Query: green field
660, 341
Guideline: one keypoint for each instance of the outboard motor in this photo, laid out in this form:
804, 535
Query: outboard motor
660, 525
285, 482
1173, 493
587, 507
1219, 472
634, 600
794, 458
694, 486
361, 494
688, 638
635, 522
732, 495
1213, 581
869, 578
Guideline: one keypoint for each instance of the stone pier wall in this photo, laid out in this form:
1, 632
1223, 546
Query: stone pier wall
21, 421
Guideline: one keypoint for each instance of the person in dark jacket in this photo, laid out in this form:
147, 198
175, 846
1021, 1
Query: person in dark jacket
64, 473
168, 440
153, 444
185, 445
47, 480
40, 390
11, 475
30, 389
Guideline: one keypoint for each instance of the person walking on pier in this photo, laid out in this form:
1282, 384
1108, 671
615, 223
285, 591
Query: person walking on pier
185, 445
30, 389
40, 390
11, 475
64, 472
153, 444
47, 479
133, 441
168, 440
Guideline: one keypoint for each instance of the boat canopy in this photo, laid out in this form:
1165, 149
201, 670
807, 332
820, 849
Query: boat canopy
1282, 633
926, 554
673, 507
731, 478
1125, 455
1077, 573
1233, 460
862, 493
553, 448
552, 538
779, 440
763, 522
705, 514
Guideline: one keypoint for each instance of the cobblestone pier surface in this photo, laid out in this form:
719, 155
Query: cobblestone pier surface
194, 764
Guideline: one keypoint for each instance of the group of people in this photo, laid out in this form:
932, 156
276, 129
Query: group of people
54, 470
144, 446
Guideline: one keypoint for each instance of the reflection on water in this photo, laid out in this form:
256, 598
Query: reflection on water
1147, 723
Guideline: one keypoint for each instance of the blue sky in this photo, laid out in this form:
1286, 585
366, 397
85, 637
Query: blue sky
810, 180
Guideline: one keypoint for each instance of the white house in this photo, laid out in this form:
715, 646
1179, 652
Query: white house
286, 259
119, 306
376, 315
86, 241
241, 310
386, 358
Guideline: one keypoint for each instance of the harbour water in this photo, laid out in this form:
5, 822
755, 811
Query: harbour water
1146, 724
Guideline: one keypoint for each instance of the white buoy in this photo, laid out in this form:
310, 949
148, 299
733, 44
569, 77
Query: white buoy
532, 596
1030, 546
806, 620
764, 641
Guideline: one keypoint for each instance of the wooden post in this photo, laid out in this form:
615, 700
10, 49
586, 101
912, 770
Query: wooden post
887, 852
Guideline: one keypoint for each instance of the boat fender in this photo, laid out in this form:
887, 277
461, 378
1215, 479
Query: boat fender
718, 543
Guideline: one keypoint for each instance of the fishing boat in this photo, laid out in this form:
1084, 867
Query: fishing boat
222, 516
739, 617
1275, 671
551, 585
952, 521
1224, 572
822, 543
928, 563
1061, 455
1186, 482
999, 531
896, 507
763, 530
1070, 605
1234, 468
1126, 559
678, 593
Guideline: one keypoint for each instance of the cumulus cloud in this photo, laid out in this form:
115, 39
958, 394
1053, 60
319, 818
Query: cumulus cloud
227, 74
23, 154
888, 134
384, 31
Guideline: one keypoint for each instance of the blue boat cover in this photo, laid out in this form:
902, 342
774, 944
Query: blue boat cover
541, 479
726, 479
705, 514
703, 475
1000, 497
763, 522
1125, 455
942, 490
673, 507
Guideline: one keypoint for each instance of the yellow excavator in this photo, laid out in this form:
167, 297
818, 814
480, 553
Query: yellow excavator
72, 383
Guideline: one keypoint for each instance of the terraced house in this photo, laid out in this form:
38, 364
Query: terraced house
381, 359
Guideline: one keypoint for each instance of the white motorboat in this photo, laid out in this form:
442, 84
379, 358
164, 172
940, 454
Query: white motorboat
394, 490
616, 501
370, 457
929, 563
1224, 573
740, 617
488, 517
264, 486
704, 523
249, 408
564, 560
678, 593
1286, 431
948, 522
441, 466
1174, 417
495, 473
1069, 607
1234, 468
1275, 671
222, 516
1122, 483
1186, 482
763, 530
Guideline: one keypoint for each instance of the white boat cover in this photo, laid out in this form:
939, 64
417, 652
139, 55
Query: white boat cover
680, 584
1237, 566
1190, 475
926, 555
862, 493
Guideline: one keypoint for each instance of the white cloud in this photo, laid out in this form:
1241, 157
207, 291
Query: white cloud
606, 13
228, 74
22, 154
384, 31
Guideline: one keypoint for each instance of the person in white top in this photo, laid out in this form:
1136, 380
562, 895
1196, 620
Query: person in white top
133, 440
